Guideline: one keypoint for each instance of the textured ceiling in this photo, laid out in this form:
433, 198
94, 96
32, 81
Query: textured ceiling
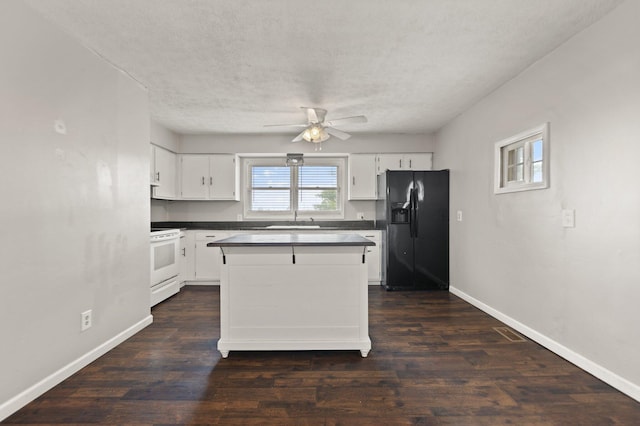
214, 66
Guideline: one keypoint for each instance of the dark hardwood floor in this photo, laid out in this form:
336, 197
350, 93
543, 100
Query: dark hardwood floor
436, 360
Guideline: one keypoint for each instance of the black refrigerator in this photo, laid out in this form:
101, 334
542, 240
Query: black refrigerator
413, 213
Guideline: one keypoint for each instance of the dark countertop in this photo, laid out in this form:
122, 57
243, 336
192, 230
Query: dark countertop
337, 225
278, 240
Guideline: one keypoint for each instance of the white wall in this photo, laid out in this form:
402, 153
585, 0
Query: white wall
164, 137
576, 290
358, 143
74, 210
269, 144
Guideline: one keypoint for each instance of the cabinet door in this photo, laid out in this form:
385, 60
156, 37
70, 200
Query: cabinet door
152, 166
362, 182
208, 259
419, 161
165, 164
373, 256
187, 258
223, 181
390, 162
194, 173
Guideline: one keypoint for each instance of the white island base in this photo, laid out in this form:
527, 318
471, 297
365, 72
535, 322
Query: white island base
268, 302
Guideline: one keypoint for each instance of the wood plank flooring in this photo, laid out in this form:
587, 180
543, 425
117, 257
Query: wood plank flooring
436, 360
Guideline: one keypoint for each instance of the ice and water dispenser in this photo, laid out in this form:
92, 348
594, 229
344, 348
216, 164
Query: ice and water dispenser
399, 213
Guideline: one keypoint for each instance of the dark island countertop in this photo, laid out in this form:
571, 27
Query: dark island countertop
280, 240
337, 225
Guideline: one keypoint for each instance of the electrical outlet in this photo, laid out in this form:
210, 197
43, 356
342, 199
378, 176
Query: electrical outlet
86, 320
459, 215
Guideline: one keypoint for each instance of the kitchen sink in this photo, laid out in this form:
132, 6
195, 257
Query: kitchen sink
293, 227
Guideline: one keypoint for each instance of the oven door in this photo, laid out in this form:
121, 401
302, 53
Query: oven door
164, 260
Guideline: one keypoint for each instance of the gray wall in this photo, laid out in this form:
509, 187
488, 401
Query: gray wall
75, 206
164, 137
360, 143
574, 289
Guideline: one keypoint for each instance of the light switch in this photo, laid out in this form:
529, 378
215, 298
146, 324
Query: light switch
459, 215
568, 218
60, 127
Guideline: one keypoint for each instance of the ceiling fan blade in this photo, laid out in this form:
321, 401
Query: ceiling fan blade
345, 120
285, 125
315, 115
311, 115
337, 133
299, 137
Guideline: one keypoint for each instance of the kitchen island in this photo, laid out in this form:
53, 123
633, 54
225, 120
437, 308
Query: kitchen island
293, 292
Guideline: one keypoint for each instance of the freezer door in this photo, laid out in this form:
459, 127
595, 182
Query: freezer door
399, 257
432, 227
399, 274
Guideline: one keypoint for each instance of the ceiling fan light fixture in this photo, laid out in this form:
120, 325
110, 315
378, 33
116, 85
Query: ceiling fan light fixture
317, 130
315, 133
307, 135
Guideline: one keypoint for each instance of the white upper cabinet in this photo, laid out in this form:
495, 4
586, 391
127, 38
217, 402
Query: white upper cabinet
152, 166
389, 162
224, 174
164, 176
194, 174
406, 161
362, 177
419, 161
209, 177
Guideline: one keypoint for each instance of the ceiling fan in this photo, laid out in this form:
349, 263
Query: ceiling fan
318, 130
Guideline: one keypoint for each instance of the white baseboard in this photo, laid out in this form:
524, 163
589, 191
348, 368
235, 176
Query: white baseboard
607, 376
23, 398
209, 283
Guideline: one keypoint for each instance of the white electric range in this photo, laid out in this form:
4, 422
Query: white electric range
165, 251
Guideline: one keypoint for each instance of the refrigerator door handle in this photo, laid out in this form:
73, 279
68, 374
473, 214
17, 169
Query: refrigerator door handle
411, 230
412, 214
415, 213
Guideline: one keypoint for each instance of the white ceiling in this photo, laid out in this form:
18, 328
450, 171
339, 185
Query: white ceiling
232, 66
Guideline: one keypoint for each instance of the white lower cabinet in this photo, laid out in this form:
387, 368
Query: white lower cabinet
201, 264
373, 256
187, 258
207, 259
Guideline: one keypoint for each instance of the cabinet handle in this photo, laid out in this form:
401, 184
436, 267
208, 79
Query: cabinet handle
353, 180
210, 180
409, 163
158, 176
203, 180
184, 251
400, 163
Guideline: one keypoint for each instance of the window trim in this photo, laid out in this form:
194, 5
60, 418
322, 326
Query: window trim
249, 162
500, 185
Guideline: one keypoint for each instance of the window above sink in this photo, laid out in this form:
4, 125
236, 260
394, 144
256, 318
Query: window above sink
276, 191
